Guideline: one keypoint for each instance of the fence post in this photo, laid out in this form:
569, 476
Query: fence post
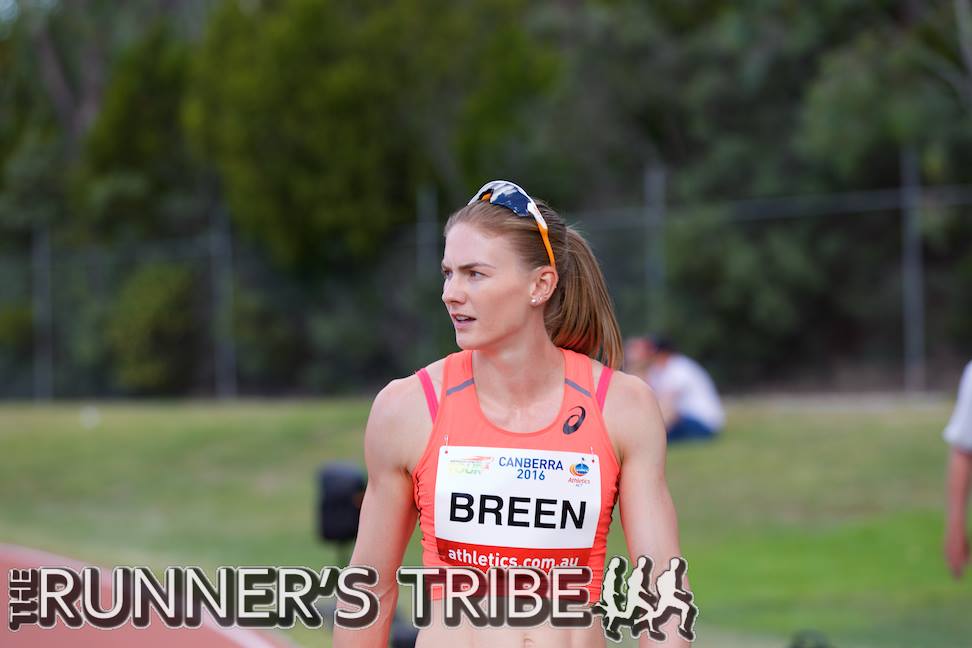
426, 248
654, 188
912, 275
221, 278
426, 258
42, 313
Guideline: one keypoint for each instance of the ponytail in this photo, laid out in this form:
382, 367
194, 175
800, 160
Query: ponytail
580, 316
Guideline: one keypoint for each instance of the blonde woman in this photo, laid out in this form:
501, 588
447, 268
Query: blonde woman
514, 450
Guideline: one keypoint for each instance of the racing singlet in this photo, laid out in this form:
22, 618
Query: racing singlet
491, 497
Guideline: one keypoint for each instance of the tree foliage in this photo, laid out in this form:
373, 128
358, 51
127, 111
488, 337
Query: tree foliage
135, 178
324, 117
151, 330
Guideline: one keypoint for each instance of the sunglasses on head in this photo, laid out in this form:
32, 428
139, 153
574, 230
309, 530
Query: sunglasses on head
512, 196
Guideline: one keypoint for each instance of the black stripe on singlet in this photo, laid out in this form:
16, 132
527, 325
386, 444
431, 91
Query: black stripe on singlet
459, 387
577, 387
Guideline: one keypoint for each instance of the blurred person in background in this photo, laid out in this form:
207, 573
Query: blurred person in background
958, 434
532, 315
686, 394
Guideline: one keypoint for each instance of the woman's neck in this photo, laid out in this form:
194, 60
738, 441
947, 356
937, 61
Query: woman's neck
519, 374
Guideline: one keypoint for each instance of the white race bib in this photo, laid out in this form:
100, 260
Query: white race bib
516, 507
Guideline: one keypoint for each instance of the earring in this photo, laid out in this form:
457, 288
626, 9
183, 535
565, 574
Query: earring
533, 301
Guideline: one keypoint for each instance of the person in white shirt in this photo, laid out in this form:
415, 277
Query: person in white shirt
686, 394
958, 434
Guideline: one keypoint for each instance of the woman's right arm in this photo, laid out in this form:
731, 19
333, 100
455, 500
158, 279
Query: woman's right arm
387, 512
957, 490
959, 435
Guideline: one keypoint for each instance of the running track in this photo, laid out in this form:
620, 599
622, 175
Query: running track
208, 635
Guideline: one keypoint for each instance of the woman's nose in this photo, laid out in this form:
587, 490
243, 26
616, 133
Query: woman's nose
452, 292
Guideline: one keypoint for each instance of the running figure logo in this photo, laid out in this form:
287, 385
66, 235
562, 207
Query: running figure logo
640, 608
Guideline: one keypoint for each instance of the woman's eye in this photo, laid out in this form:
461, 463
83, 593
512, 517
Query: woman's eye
473, 273
446, 274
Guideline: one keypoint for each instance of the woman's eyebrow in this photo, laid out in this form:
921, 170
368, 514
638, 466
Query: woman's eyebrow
470, 266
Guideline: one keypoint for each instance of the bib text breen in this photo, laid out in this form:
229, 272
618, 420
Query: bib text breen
538, 513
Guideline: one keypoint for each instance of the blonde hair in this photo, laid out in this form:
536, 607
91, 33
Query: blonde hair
579, 315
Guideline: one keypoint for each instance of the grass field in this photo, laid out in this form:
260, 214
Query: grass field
807, 514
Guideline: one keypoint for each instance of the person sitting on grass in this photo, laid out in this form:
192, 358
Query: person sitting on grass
686, 394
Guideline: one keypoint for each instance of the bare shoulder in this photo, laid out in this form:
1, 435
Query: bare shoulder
630, 393
436, 369
627, 394
630, 385
405, 397
631, 413
400, 423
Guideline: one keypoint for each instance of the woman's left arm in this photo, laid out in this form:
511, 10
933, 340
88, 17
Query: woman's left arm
647, 511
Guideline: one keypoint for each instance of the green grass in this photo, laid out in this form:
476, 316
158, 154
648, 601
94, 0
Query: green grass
805, 515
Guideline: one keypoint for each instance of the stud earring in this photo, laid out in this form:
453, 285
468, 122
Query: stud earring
533, 301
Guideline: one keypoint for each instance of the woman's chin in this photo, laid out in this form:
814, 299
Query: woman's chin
466, 341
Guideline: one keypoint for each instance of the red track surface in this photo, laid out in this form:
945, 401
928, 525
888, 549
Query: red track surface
209, 634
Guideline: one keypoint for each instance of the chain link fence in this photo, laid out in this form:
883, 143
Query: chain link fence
767, 293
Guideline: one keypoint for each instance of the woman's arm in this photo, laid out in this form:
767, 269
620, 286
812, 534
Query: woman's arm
647, 512
958, 434
387, 512
957, 492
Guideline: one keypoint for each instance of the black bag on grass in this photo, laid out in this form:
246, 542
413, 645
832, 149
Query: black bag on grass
341, 487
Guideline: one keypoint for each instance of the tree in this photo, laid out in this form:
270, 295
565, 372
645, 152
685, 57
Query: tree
135, 178
324, 117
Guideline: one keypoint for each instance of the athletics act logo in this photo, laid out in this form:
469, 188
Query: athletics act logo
638, 607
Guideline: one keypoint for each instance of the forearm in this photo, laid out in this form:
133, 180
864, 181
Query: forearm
381, 542
375, 635
662, 546
670, 628
957, 489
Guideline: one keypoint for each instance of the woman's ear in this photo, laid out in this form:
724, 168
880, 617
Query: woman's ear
543, 285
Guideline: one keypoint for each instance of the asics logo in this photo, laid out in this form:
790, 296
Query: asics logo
575, 420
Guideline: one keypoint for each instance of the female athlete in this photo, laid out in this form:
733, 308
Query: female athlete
513, 451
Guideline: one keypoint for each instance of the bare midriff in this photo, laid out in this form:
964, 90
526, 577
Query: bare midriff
438, 635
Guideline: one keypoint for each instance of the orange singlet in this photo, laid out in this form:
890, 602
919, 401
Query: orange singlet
487, 496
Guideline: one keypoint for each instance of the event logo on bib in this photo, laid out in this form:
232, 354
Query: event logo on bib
475, 465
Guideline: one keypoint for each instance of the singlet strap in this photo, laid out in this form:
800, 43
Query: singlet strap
430, 398
577, 372
602, 386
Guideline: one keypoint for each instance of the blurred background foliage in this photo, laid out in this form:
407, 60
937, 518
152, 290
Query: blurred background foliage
314, 123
